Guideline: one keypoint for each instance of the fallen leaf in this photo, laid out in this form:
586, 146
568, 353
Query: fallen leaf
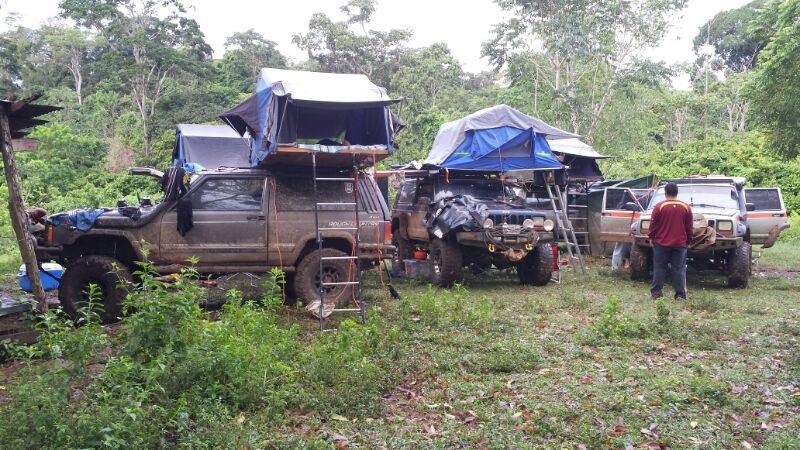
619, 429
517, 414
338, 417
449, 416
693, 424
746, 445
527, 415
429, 429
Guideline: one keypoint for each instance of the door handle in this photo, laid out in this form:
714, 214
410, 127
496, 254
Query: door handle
259, 217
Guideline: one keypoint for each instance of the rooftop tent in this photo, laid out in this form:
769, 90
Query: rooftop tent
210, 146
314, 111
499, 138
580, 157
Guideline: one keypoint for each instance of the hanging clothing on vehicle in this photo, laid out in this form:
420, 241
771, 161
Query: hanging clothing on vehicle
173, 183
184, 210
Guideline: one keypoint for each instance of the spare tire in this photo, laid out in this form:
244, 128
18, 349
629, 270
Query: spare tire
641, 262
112, 278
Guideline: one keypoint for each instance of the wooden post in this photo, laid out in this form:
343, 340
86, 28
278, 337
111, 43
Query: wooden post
16, 210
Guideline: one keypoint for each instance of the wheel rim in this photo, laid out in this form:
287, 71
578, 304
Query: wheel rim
330, 274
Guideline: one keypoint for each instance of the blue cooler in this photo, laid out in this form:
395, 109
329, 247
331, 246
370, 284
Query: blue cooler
49, 280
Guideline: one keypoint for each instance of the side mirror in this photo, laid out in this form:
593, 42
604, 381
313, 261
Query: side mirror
631, 206
750, 206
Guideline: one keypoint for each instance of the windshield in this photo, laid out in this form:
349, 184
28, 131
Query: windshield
704, 196
483, 189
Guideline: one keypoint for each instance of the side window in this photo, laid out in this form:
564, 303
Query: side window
297, 194
229, 194
764, 199
616, 198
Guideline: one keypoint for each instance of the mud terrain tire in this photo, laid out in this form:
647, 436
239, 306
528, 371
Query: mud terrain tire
641, 263
306, 278
739, 265
110, 275
536, 268
446, 262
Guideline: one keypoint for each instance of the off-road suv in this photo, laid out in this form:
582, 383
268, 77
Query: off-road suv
244, 220
728, 220
475, 221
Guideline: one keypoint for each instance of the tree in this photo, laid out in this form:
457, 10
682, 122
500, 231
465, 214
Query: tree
774, 87
426, 75
336, 48
70, 48
732, 37
587, 47
147, 43
246, 53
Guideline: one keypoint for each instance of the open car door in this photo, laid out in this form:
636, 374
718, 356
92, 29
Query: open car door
620, 210
767, 216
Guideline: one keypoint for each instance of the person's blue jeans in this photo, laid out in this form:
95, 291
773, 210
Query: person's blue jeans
674, 256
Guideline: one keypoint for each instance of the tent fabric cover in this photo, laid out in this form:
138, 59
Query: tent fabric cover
452, 134
574, 146
292, 105
502, 149
210, 146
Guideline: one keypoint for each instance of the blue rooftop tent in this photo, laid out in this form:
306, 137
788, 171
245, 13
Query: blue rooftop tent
295, 112
497, 139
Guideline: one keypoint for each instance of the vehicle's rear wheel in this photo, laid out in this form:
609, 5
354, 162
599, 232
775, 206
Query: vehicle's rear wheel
739, 265
404, 250
112, 278
307, 280
641, 263
446, 262
536, 267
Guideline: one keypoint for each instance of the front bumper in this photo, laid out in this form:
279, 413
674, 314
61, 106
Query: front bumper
721, 243
500, 240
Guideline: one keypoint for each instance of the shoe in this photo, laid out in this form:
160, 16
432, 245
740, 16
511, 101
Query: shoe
656, 295
680, 297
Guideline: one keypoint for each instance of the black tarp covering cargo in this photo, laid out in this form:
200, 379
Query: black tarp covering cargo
456, 213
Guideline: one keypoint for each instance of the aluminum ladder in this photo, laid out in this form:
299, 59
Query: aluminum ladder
567, 233
354, 258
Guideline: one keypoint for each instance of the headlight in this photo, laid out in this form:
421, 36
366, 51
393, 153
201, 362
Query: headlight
548, 225
488, 223
724, 225
645, 225
527, 224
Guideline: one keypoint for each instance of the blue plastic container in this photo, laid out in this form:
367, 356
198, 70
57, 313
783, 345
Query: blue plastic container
49, 282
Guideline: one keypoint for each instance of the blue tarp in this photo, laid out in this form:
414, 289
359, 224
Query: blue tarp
82, 219
502, 149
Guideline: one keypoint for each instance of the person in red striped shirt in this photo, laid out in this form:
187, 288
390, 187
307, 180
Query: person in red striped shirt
671, 232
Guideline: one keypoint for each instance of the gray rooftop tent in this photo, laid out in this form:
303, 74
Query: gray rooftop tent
210, 146
314, 111
499, 138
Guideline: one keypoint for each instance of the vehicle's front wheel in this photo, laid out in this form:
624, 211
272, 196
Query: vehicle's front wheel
536, 267
307, 278
110, 276
739, 265
446, 262
641, 263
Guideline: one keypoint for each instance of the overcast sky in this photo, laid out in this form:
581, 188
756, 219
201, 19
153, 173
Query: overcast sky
462, 24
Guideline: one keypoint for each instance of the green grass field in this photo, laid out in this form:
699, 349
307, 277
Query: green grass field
591, 362
501, 365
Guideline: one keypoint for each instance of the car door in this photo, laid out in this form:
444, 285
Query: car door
616, 218
767, 216
229, 223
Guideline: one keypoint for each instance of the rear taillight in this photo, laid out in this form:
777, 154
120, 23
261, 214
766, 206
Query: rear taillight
49, 234
387, 232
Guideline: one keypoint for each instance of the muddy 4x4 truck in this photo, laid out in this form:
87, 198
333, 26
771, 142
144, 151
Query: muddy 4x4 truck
244, 220
728, 220
475, 221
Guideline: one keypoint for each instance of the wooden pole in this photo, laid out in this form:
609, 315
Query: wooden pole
16, 210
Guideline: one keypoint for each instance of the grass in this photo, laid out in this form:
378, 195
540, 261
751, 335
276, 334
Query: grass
590, 362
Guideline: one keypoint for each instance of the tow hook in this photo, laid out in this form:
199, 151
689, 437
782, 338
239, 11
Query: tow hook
491, 248
528, 247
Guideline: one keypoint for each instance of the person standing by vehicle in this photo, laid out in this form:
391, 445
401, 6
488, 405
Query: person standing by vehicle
671, 231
